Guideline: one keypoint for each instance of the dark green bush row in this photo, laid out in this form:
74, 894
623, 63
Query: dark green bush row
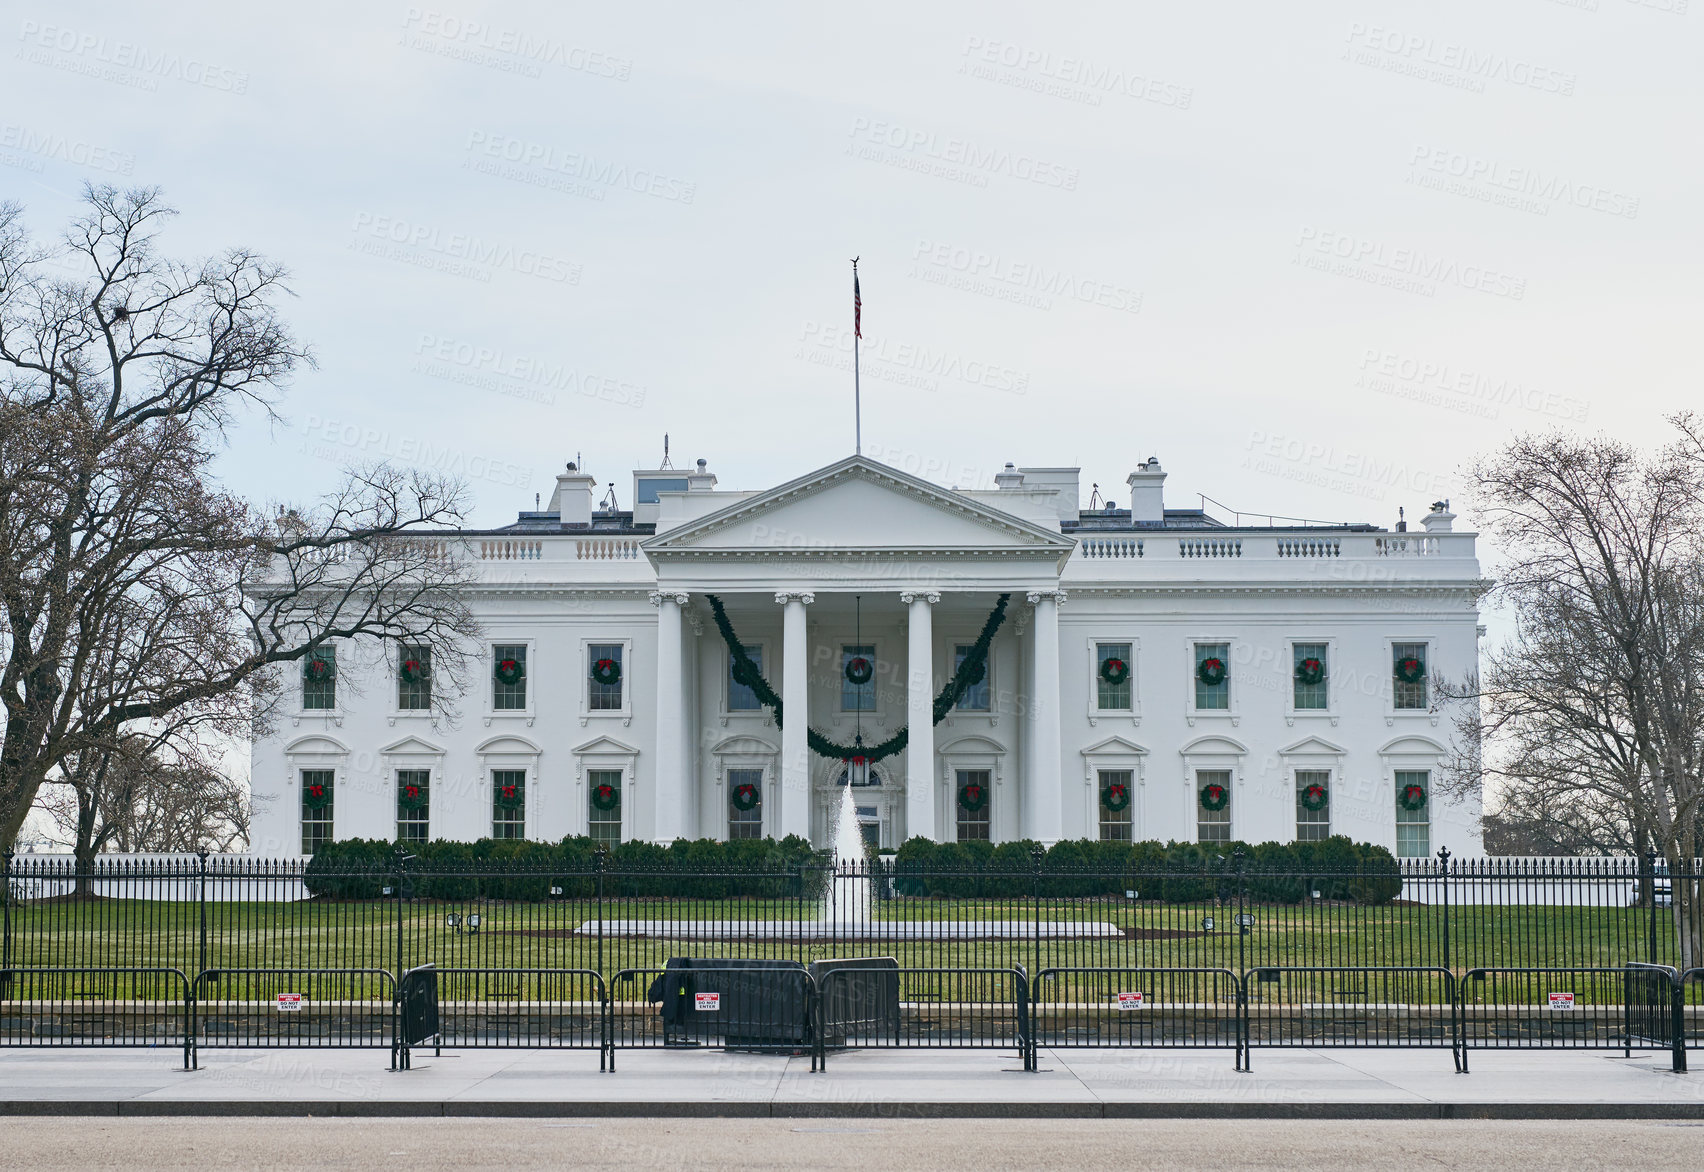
1179, 872
358, 868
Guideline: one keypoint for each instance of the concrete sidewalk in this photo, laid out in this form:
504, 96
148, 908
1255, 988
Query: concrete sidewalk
1337, 1083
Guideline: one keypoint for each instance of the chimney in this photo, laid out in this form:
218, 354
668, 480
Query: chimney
1009, 477
701, 479
1440, 519
573, 497
1147, 493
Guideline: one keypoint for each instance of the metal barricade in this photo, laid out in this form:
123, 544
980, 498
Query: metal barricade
1162, 1008
263, 1008
97, 1007
541, 1009
1564, 1008
946, 1008
1362, 1006
765, 1005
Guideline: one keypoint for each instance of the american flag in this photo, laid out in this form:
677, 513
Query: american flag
857, 305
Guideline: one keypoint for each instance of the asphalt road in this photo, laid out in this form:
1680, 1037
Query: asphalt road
979, 1145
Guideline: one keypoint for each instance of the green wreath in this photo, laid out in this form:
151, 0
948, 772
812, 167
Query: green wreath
1412, 798
317, 670
973, 796
859, 670
510, 671
1116, 796
745, 796
316, 795
606, 672
1310, 671
1410, 670
412, 797
605, 796
1314, 797
412, 671
1211, 671
1215, 797
510, 797
1114, 670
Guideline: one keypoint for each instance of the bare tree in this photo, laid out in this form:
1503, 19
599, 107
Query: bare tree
133, 590
1596, 707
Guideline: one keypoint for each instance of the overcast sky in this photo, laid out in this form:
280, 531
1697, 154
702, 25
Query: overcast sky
1315, 256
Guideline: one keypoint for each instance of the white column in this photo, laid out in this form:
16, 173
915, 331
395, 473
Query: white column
795, 715
920, 800
668, 795
1044, 791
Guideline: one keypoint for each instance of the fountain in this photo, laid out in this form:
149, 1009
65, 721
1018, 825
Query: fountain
847, 910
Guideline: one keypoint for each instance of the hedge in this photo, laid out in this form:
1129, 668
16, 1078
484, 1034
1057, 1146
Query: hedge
1177, 872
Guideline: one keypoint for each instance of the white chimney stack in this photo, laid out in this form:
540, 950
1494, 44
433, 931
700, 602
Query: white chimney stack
1147, 492
574, 496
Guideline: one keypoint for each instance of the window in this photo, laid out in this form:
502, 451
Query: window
508, 803
605, 697
509, 677
1109, 696
319, 679
316, 808
1313, 825
414, 679
650, 486
740, 697
976, 696
1212, 825
1117, 788
746, 823
1413, 826
973, 825
1408, 675
857, 697
1216, 696
1308, 662
413, 804
603, 789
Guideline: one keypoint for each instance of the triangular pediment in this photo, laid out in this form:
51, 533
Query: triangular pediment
1114, 746
1314, 746
860, 505
412, 745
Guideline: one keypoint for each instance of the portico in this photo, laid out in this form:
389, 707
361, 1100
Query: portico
904, 570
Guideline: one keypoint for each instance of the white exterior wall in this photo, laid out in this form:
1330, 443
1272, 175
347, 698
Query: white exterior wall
558, 593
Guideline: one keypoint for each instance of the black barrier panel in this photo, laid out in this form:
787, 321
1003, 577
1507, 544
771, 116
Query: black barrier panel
863, 998
96, 1007
543, 1009
1551, 1008
1135, 1007
295, 1008
1351, 1005
952, 1008
754, 1004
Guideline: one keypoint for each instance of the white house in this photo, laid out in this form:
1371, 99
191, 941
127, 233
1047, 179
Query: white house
1157, 674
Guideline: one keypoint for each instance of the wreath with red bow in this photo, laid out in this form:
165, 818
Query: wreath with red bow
1211, 671
316, 795
1310, 671
1116, 796
510, 671
606, 672
1214, 797
745, 796
859, 670
316, 669
1114, 670
1410, 670
973, 796
412, 797
1314, 797
412, 671
1413, 797
510, 796
606, 796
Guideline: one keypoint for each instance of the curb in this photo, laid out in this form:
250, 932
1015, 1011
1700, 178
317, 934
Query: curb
460, 1109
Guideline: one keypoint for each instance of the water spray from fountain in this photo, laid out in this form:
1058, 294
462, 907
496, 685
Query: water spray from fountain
848, 897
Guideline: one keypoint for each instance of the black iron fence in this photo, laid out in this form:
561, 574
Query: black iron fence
579, 954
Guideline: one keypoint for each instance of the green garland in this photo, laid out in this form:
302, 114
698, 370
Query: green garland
970, 673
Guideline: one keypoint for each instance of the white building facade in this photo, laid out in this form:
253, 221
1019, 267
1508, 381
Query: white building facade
1157, 675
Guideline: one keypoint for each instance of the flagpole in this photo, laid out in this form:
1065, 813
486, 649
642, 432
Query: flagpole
857, 391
